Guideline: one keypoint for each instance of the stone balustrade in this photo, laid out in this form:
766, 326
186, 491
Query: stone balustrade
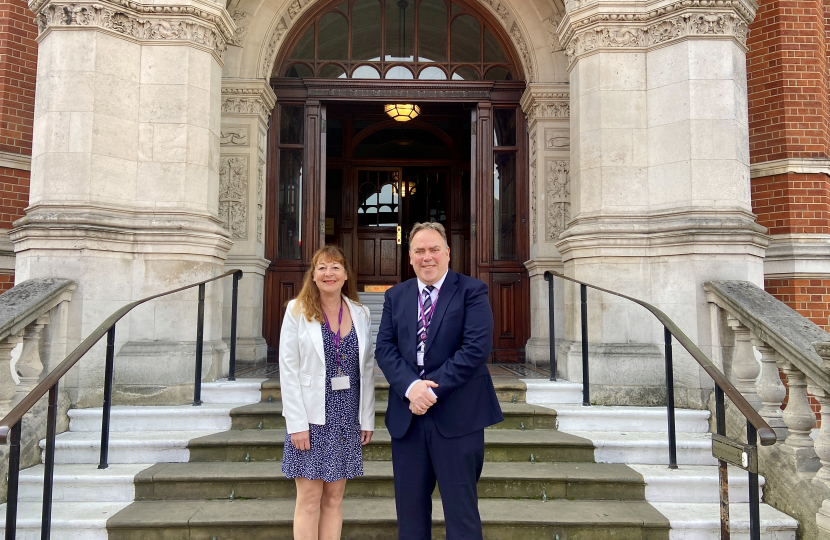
26, 312
790, 344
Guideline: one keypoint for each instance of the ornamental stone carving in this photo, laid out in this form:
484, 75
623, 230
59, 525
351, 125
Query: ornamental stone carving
558, 198
557, 138
233, 136
499, 8
166, 23
260, 202
240, 19
539, 103
533, 214
233, 195
585, 32
551, 25
524, 52
248, 97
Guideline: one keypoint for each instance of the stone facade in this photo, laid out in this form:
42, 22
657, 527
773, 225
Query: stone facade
149, 155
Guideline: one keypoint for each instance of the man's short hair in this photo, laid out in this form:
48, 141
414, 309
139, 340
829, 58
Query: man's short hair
429, 226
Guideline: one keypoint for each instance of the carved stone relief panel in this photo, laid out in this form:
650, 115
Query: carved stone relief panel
558, 198
233, 195
242, 22
557, 138
533, 214
234, 136
260, 202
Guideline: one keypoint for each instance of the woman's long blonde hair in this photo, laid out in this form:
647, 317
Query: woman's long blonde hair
308, 301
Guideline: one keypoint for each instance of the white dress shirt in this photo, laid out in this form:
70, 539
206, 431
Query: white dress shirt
434, 296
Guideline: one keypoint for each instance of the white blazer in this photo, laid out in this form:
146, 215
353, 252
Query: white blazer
303, 369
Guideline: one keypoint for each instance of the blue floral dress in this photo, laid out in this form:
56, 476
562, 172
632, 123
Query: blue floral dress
335, 447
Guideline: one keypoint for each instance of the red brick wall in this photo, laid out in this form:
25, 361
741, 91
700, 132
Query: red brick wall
14, 195
792, 203
18, 68
809, 297
787, 81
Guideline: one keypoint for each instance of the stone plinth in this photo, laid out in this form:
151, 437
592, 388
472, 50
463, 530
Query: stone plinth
125, 182
660, 195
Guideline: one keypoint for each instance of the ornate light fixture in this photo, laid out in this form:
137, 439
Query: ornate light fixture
402, 112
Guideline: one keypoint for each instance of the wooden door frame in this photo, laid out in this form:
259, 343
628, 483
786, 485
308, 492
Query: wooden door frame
283, 278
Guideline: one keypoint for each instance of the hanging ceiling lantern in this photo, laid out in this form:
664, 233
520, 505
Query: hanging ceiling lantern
402, 112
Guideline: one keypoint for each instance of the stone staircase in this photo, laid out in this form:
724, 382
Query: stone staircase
215, 473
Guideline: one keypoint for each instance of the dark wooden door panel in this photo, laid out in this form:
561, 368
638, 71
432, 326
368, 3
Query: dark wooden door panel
365, 257
389, 260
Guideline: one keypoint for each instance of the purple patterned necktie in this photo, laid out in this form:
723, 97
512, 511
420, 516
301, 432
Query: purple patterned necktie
423, 325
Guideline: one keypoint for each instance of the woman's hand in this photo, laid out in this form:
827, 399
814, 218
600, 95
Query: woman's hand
365, 437
301, 440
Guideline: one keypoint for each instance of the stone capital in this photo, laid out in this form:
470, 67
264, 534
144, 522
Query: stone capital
199, 23
592, 26
544, 101
247, 97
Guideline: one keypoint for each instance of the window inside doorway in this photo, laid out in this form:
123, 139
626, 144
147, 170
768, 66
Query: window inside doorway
399, 40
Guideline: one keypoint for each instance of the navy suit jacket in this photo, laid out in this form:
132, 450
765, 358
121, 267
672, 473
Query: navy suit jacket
459, 341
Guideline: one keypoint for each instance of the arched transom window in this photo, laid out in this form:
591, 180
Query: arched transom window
399, 39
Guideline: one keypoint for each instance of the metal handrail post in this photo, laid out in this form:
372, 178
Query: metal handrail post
723, 471
670, 400
234, 303
14, 477
200, 343
754, 500
105, 412
49, 464
551, 326
586, 380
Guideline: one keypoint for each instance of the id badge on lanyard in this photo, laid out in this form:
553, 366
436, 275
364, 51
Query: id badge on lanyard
341, 382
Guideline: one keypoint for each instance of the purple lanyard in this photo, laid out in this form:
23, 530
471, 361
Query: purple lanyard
337, 335
424, 319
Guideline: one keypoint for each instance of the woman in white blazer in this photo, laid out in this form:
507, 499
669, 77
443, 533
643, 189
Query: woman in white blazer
327, 380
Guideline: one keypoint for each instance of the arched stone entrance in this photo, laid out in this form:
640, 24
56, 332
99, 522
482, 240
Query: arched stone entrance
526, 32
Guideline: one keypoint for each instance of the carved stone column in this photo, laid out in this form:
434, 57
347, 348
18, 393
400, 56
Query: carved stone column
246, 107
29, 366
771, 390
547, 108
660, 194
800, 420
745, 368
124, 184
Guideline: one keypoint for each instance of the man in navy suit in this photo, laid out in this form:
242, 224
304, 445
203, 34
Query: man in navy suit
433, 345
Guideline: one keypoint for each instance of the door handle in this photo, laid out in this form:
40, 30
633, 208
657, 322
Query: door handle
399, 235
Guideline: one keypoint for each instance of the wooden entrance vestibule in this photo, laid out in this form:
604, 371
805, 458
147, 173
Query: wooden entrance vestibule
340, 170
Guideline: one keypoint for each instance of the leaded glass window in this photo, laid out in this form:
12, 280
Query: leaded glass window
399, 40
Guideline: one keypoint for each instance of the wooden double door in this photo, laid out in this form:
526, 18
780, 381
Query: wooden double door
342, 172
388, 201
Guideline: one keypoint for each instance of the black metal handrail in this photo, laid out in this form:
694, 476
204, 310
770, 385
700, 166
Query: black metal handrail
756, 427
11, 424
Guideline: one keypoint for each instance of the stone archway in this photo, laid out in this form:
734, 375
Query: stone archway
261, 28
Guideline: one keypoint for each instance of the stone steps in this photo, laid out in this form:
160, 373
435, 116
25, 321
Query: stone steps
507, 390
500, 445
207, 417
516, 416
264, 480
125, 447
375, 518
